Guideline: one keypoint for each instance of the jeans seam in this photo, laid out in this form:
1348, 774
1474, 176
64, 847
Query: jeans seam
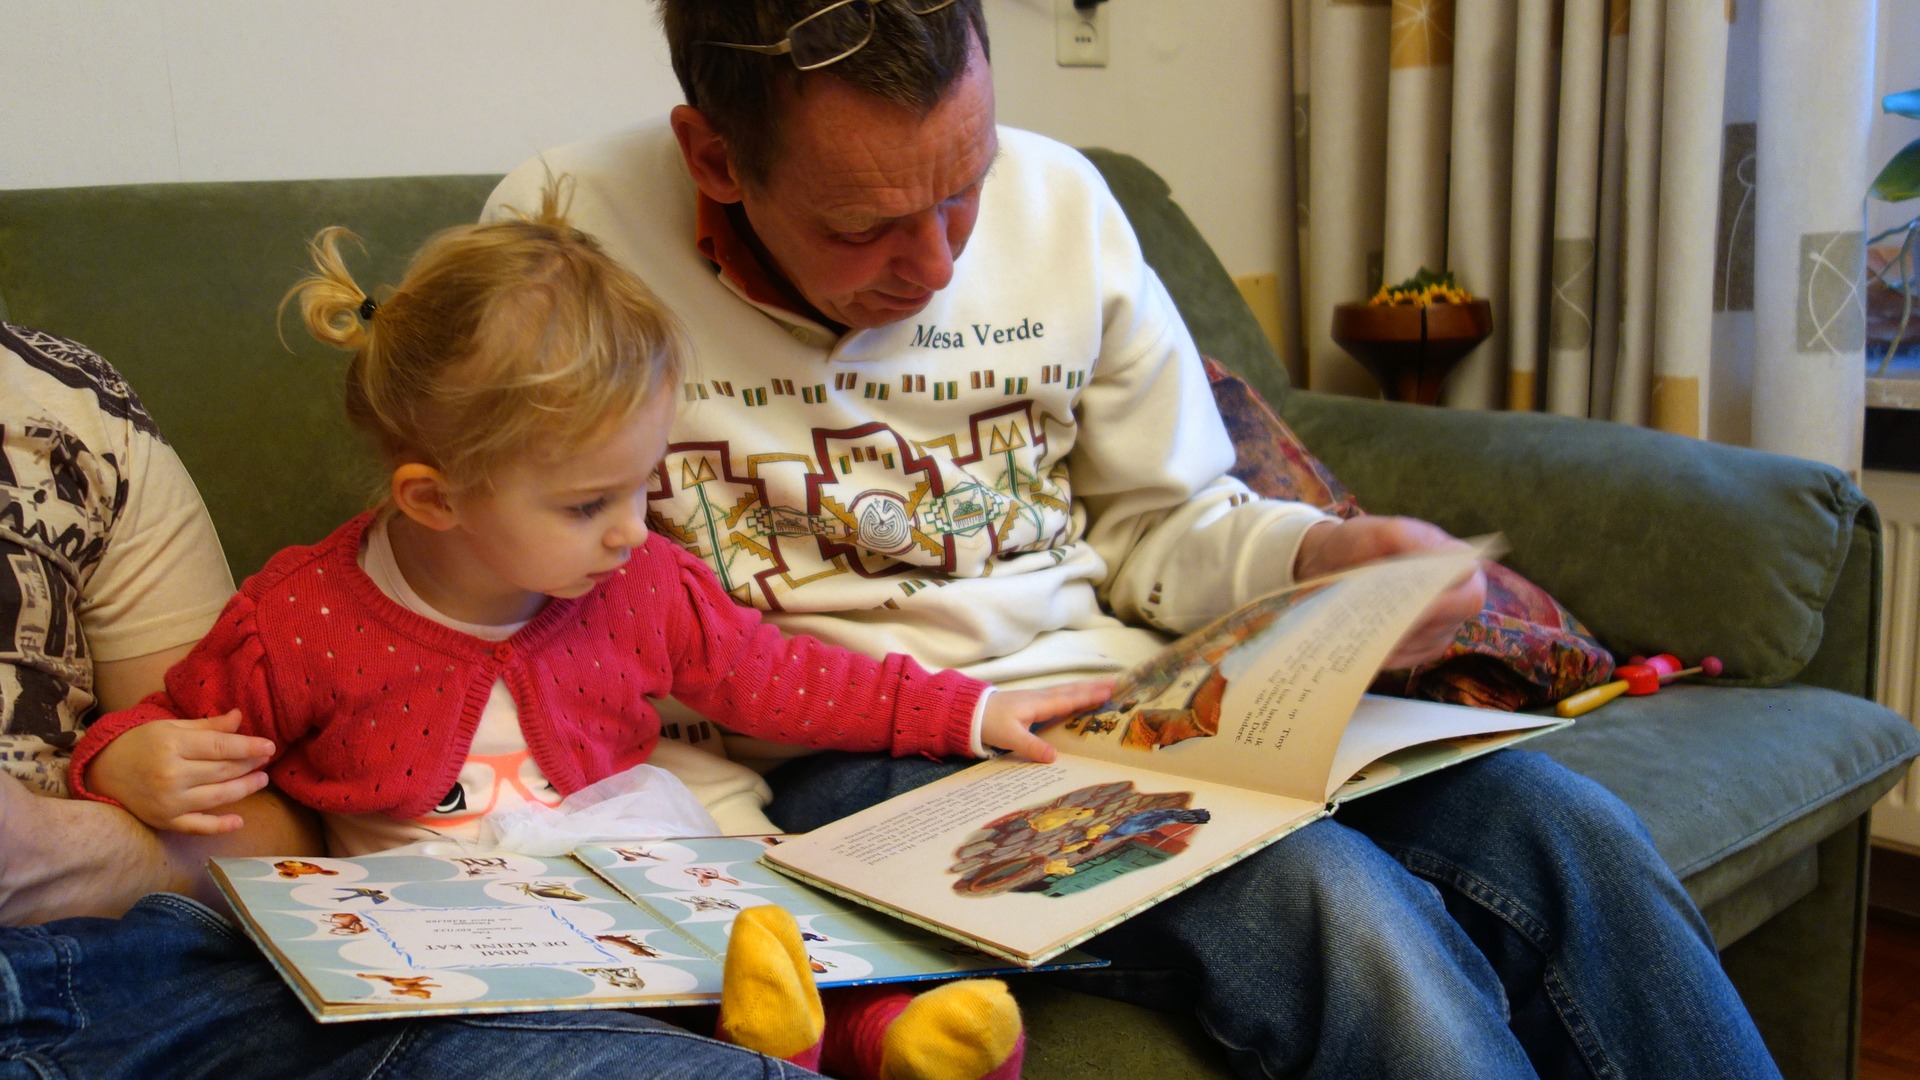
1535, 933
199, 913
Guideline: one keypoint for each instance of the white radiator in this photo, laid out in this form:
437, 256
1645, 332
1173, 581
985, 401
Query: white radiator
1897, 819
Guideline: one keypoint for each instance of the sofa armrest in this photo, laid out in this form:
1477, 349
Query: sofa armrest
1659, 543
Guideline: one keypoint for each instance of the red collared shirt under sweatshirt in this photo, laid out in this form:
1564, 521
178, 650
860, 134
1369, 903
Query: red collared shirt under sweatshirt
372, 707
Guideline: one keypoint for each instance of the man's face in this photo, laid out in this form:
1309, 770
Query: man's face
869, 204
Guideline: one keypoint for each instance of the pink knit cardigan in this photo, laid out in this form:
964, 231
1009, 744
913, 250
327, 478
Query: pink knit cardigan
372, 707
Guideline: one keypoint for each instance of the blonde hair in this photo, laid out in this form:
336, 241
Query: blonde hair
514, 336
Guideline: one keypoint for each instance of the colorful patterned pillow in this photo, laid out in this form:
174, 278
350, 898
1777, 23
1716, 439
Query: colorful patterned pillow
1522, 651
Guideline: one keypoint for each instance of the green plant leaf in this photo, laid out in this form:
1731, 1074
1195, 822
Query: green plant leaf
1900, 180
1906, 103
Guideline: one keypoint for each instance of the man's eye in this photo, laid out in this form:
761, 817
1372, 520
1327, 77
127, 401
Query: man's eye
864, 236
589, 509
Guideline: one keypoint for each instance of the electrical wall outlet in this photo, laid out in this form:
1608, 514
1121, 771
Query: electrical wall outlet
1080, 34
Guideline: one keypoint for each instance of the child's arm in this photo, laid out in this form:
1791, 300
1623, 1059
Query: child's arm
735, 668
198, 745
172, 774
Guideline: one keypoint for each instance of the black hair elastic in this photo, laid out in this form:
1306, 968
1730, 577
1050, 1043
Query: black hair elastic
366, 309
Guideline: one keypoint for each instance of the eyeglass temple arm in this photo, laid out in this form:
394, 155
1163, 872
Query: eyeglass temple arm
778, 49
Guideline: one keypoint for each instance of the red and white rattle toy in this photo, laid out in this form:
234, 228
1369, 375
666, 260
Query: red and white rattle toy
1638, 679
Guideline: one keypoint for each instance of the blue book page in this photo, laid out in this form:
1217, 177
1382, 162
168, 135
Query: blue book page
406, 934
700, 884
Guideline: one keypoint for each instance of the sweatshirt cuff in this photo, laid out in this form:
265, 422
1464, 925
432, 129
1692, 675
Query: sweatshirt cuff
976, 747
95, 739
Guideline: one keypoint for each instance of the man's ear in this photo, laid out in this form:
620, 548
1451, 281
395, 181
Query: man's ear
422, 493
706, 155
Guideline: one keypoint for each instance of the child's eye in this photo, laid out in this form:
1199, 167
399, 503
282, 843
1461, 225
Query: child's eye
588, 509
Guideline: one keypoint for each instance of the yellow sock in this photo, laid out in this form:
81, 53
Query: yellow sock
956, 1031
768, 1001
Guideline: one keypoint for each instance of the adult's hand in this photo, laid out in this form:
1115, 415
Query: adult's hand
1330, 547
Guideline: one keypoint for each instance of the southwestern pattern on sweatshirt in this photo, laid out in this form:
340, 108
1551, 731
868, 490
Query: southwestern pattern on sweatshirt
372, 707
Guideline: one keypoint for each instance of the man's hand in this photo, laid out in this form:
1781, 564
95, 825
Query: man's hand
1011, 714
1334, 546
171, 773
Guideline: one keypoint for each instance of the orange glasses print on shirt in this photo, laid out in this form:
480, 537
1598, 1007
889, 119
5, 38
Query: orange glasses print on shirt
509, 780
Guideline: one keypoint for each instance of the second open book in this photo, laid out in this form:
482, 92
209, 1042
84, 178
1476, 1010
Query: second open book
1223, 743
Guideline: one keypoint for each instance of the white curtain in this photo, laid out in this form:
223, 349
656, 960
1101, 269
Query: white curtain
1661, 198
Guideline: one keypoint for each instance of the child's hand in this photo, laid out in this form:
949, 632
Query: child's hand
169, 773
1011, 713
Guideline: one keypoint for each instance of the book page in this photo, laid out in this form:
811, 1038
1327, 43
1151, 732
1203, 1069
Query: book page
1393, 739
1260, 699
408, 934
1024, 860
702, 883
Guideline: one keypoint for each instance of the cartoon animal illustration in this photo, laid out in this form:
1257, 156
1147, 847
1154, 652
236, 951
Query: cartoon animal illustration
635, 854
808, 935
620, 978
1145, 821
707, 875
630, 943
297, 868
361, 892
711, 903
1094, 723
548, 890
481, 867
413, 986
346, 923
818, 967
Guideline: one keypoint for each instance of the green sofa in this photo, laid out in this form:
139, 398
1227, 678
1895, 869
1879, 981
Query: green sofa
1755, 789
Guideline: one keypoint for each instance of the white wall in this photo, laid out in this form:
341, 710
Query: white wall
127, 91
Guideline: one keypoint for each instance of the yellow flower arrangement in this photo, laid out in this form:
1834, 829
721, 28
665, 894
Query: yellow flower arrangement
1421, 290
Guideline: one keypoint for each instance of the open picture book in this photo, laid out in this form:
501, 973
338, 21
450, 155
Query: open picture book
1221, 744
636, 924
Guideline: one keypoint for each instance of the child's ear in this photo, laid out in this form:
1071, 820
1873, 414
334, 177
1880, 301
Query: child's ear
708, 161
422, 493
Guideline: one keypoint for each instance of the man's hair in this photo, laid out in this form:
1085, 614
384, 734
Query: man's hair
911, 61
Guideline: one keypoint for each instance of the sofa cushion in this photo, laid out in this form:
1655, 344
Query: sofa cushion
1522, 650
189, 320
1662, 543
1734, 781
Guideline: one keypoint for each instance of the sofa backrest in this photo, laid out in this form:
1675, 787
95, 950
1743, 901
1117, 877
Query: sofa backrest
177, 285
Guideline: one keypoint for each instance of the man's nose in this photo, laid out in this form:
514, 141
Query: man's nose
926, 254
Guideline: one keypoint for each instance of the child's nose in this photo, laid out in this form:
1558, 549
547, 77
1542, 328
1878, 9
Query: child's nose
631, 530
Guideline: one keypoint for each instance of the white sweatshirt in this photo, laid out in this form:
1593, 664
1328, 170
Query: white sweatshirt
968, 486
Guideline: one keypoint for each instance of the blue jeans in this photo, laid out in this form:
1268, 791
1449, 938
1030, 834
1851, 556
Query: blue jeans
1504, 917
174, 990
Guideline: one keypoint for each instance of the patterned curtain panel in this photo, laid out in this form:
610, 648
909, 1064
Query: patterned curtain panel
1661, 198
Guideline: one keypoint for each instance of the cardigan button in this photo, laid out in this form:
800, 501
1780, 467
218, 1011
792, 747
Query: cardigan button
503, 652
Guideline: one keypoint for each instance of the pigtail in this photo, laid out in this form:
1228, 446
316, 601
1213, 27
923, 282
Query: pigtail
336, 310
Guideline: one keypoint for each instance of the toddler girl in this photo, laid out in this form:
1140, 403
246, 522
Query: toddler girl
494, 633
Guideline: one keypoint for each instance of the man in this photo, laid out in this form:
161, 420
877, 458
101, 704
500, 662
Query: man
944, 407
112, 573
